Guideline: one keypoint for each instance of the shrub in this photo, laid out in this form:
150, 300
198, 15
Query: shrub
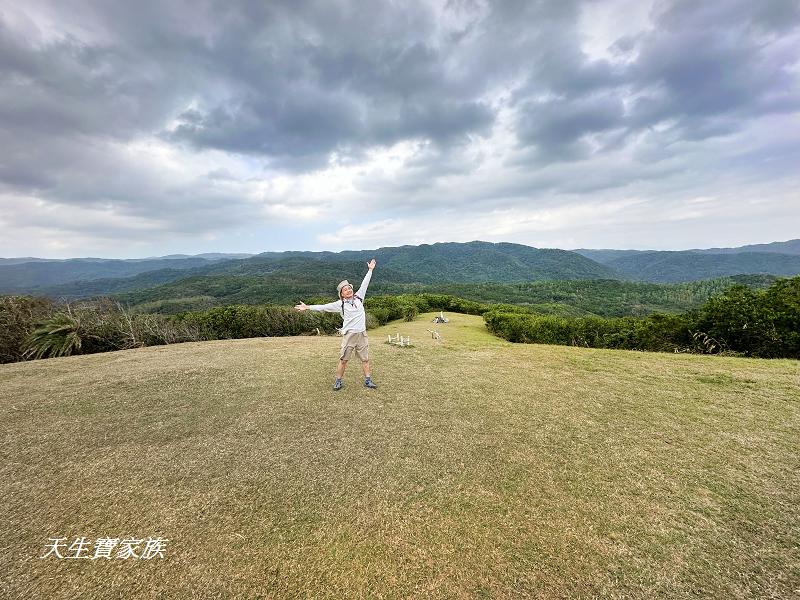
783, 298
372, 321
378, 316
742, 320
410, 312
60, 335
739, 321
243, 321
18, 317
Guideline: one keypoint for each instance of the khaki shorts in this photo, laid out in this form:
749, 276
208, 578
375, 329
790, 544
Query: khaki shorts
355, 340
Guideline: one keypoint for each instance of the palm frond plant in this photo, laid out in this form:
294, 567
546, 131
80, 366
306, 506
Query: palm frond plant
61, 335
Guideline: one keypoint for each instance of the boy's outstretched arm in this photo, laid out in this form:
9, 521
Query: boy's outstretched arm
329, 307
362, 291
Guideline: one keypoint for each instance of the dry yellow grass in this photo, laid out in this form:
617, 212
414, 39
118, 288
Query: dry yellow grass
477, 469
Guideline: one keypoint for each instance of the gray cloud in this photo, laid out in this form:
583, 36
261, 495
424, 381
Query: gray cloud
501, 99
559, 125
294, 82
702, 71
341, 95
705, 69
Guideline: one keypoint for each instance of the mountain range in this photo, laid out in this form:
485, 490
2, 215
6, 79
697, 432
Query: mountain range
457, 263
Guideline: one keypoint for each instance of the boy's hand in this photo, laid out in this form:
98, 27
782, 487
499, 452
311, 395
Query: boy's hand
371, 264
301, 307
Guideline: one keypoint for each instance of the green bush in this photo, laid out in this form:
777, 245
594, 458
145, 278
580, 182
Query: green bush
18, 317
655, 332
763, 323
36, 328
410, 312
740, 320
372, 321
244, 321
60, 335
380, 316
783, 298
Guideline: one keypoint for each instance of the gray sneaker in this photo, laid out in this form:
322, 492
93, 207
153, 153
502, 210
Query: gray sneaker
338, 385
369, 384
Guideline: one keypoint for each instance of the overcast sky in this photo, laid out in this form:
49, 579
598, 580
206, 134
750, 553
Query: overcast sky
132, 129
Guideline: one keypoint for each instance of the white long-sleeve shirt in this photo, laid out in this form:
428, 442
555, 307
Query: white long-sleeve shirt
354, 317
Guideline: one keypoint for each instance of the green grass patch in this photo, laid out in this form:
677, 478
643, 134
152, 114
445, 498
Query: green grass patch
479, 468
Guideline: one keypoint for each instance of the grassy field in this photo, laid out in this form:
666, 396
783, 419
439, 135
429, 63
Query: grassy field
478, 469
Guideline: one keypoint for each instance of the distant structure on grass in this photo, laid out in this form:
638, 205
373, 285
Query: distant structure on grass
398, 340
440, 319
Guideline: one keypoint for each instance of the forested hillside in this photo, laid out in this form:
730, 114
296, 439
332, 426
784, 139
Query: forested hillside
668, 267
453, 262
605, 297
36, 276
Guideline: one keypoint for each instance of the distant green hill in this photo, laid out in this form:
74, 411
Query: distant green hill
472, 262
456, 262
777, 258
110, 285
426, 264
668, 267
287, 281
32, 276
605, 256
483, 261
787, 247
603, 297
303, 281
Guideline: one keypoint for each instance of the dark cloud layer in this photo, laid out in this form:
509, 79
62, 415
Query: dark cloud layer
304, 79
292, 86
704, 69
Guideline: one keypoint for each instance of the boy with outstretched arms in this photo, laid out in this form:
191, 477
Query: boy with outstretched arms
354, 325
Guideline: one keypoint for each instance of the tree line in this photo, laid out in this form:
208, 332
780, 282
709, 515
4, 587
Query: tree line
740, 321
600, 297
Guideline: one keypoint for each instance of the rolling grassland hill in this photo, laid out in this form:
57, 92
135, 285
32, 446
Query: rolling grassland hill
477, 469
